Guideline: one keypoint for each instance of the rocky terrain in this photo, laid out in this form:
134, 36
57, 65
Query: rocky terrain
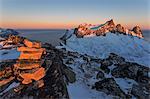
91, 67
108, 58
102, 29
36, 73
6, 32
114, 76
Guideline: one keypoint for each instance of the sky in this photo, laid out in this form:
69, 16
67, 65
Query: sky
59, 14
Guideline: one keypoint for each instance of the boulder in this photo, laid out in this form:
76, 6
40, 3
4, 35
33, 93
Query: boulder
15, 39
28, 77
23, 66
70, 75
31, 44
100, 75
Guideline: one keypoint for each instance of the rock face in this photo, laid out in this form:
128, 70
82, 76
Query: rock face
109, 86
27, 68
101, 30
38, 71
137, 30
110, 25
88, 29
120, 29
70, 75
11, 42
6, 75
33, 70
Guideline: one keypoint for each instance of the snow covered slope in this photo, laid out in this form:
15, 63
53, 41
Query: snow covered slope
8, 51
7, 32
132, 48
94, 59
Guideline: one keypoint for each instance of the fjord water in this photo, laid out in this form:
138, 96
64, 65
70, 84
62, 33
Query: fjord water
52, 35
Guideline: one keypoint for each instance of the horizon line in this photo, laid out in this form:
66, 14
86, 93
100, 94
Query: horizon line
47, 28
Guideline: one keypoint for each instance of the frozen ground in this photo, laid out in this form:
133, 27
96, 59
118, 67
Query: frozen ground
9, 54
131, 48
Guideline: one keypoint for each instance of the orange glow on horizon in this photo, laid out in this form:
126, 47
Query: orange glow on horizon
44, 25
36, 25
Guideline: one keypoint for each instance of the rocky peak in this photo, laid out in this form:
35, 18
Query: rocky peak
137, 30
120, 28
111, 22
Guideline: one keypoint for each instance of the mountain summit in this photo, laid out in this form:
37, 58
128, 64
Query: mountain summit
109, 26
100, 40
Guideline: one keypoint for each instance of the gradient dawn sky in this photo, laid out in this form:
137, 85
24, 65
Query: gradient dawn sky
46, 14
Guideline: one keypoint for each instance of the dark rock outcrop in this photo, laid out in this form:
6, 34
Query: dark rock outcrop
140, 92
105, 63
132, 71
6, 32
125, 70
109, 86
116, 58
100, 75
70, 75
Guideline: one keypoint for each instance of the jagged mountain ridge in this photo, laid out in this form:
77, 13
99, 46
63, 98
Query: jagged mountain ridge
112, 40
102, 29
109, 26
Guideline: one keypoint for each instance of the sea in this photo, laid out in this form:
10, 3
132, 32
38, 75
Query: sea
52, 35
